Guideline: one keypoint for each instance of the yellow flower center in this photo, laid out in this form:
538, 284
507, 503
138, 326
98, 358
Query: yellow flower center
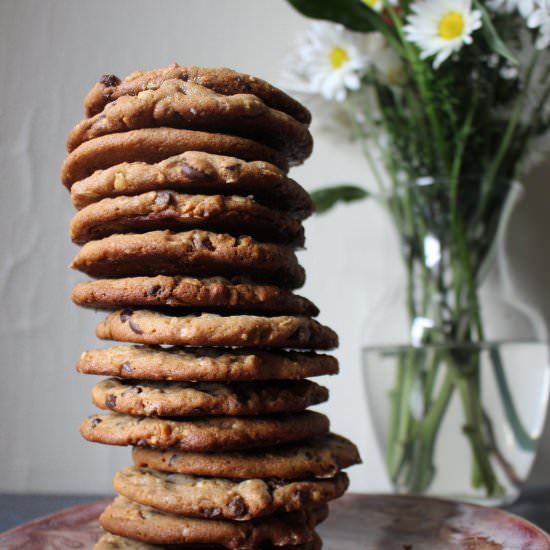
451, 25
338, 56
371, 3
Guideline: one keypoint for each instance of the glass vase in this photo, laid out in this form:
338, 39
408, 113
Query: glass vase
456, 371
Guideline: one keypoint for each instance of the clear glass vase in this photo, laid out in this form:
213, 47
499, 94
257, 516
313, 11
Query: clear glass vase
459, 421
456, 371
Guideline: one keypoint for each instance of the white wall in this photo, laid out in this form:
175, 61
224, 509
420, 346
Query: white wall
51, 52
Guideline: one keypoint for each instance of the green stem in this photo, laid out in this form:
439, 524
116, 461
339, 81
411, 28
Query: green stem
522, 437
395, 414
473, 430
399, 445
422, 469
463, 136
419, 73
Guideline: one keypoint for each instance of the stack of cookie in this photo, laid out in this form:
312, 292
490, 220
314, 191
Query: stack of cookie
190, 225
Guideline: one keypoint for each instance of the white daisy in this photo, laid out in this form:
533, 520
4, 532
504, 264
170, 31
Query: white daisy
330, 117
525, 7
331, 60
540, 19
378, 5
441, 27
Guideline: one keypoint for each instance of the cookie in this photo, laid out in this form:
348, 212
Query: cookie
198, 253
320, 457
143, 326
214, 433
155, 144
190, 106
178, 212
221, 80
202, 497
146, 398
114, 542
186, 292
197, 172
204, 364
129, 519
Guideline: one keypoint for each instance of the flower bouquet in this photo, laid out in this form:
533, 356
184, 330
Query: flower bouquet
450, 102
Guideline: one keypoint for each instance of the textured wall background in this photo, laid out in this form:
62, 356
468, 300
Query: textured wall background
51, 51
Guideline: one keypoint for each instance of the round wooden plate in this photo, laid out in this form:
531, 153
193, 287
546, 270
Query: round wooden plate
357, 522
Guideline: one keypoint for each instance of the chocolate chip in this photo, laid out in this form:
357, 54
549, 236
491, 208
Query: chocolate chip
237, 507
95, 422
303, 496
135, 328
184, 77
233, 167
192, 172
125, 314
137, 389
211, 512
109, 80
201, 243
153, 290
172, 460
207, 243
110, 401
244, 84
163, 199
126, 368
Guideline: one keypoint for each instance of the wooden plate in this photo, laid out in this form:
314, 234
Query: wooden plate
357, 522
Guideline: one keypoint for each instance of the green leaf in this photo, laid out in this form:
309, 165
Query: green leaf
353, 14
326, 198
492, 36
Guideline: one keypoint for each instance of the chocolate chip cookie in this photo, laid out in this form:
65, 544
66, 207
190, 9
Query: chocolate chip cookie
186, 105
179, 212
320, 457
129, 519
205, 434
197, 172
146, 398
115, 542
213, 294
156, 144
221, 80
205, 497
197, 253
208, 329
204, 364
